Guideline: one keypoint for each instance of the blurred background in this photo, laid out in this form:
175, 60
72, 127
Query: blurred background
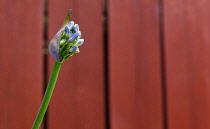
145, 64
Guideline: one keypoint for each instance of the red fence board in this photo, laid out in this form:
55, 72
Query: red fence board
78, 99
134, 62
187, 51
156, 61
20, 62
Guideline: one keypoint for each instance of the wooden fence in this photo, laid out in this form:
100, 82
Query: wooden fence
145, 64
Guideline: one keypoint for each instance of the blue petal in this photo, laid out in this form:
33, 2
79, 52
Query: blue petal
76, 28
66, 30
70, 25
74, 36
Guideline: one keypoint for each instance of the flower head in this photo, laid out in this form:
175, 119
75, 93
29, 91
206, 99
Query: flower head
67, 40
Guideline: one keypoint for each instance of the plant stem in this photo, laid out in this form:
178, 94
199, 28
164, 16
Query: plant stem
47, 96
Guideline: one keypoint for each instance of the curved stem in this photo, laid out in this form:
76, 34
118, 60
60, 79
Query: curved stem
47, 96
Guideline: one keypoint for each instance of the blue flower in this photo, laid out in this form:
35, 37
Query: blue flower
66, 41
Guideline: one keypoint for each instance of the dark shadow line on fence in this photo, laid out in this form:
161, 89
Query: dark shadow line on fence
106, 63
45, 56
163, 64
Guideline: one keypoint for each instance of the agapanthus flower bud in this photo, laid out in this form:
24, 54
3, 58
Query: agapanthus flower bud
73, 49
79, 42
67, 40
74, 36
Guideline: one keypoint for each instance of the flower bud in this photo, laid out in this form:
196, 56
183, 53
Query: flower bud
66, 41
74, 36
79, 42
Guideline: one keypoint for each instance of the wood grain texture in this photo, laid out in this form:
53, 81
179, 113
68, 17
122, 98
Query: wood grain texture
134, 62
187, 50
78, 99
20, 62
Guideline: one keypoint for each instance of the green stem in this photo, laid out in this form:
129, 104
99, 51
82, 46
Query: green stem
47, 96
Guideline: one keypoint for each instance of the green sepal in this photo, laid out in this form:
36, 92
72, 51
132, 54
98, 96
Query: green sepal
67, 19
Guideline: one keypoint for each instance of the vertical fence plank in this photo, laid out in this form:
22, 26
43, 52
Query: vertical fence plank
78, 99
20, 62
187, 48
134, 62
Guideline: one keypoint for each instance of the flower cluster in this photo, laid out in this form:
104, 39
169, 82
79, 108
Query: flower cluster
66, 42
